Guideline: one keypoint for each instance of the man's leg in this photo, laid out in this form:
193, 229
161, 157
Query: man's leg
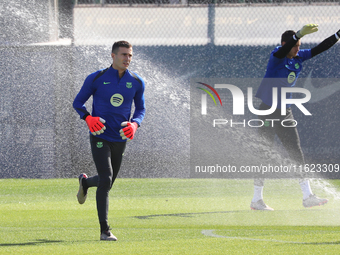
101, 153
290, 139
117, 151
86, 182
267, 135
108, 158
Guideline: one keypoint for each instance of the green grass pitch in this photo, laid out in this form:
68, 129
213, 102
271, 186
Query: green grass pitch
168, 216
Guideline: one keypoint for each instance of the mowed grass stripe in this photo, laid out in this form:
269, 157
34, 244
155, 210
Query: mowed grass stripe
165, 216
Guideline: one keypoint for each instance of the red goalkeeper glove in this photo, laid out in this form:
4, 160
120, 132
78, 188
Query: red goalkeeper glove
95, 125
129, 131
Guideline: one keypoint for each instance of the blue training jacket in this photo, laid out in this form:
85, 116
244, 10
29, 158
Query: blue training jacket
112, 100
281, 73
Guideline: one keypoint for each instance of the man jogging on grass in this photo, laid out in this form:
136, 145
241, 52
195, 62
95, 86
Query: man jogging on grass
283, 69
113, 90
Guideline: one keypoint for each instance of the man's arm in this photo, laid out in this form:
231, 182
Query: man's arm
95, 124
285, 49
81, 98
130, 128
325, 44
305, 30
139, 102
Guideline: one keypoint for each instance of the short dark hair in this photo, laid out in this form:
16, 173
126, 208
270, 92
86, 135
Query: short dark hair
118, 44
287, 35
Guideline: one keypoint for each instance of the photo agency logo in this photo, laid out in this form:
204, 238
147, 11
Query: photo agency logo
238, 105
204, 97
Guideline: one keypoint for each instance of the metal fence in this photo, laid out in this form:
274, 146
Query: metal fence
234, 24
163, 22
194, 2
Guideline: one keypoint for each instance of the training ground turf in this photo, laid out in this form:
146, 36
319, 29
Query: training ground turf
167, 216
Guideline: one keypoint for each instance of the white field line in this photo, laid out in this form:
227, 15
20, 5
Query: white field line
211, 234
